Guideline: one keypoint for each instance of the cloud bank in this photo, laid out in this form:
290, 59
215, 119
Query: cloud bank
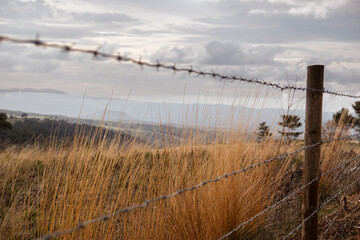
272, 40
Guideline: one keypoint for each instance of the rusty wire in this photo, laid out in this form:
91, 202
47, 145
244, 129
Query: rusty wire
120, 58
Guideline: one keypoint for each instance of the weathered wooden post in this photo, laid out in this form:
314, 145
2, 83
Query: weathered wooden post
313, 119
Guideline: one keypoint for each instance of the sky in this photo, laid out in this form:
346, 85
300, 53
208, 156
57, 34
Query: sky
272, 40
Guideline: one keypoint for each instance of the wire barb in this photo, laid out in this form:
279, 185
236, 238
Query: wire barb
119, 58
157, 65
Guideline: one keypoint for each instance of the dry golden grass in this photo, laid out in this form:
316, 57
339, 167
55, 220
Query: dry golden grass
45, 189
52, 188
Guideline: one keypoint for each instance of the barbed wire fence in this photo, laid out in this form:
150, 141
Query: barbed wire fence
120, 58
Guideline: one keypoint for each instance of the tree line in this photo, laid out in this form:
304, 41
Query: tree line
30, 130
290, 123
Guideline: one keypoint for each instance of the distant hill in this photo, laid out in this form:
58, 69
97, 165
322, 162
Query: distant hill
30, 130
35, 126
39, 115
32, 90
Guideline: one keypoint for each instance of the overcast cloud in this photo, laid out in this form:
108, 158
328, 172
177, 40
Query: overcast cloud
272, 40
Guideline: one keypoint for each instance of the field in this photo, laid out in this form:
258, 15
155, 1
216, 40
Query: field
47, 188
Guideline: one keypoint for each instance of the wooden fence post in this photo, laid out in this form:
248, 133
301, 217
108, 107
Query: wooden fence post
313, 119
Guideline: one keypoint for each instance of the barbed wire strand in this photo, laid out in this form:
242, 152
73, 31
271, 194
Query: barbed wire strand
337, 214
120, 58
322, 205
285, 198
181, 191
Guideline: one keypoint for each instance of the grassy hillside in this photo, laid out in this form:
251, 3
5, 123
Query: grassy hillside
49, 188
38, 127
32, 129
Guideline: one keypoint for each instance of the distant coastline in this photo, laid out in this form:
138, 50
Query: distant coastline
32, 90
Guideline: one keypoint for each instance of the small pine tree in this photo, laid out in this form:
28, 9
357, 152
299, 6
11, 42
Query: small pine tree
356, 107
262, 132
341, 123
289, 124
345, 119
